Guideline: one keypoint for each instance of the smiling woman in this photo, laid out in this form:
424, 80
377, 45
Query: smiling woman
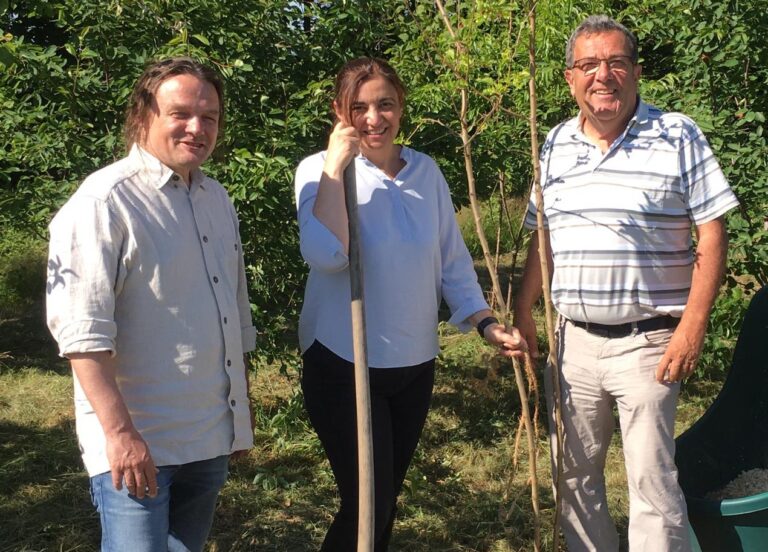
412, 256
375, 114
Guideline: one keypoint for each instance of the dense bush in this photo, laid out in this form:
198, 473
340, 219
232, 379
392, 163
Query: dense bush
22, 273
66, 68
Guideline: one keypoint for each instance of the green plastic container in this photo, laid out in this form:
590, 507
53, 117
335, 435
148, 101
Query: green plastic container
730, 438
731, 525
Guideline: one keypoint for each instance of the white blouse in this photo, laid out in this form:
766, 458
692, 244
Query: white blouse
413, 256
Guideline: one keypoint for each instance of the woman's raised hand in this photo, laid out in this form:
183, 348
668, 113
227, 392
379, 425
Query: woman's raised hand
343, 146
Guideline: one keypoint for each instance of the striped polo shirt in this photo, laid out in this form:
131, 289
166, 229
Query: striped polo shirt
620, 221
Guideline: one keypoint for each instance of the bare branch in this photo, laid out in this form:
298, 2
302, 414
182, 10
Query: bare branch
544, 259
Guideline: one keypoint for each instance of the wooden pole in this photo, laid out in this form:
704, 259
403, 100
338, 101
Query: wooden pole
365, 502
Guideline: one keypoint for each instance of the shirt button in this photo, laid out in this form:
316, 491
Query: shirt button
215, 279
233, 402
205, 239
225, 319
175, 177
235, 247
229, 363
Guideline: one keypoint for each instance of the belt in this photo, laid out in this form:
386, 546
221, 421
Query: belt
623, 330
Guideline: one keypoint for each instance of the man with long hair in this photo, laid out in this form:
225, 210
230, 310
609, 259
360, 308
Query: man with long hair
147, 299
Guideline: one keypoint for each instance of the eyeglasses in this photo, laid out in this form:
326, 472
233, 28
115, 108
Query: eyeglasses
619, 65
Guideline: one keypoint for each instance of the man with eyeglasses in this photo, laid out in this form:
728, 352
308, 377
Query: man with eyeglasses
624, 183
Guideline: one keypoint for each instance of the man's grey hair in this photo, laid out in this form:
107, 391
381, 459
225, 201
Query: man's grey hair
595, 24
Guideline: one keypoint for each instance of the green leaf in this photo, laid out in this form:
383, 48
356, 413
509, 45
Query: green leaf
6, 56
200, 38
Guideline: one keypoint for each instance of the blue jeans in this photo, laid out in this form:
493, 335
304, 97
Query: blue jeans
178, 519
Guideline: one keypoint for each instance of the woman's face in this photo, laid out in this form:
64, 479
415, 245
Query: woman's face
376, 113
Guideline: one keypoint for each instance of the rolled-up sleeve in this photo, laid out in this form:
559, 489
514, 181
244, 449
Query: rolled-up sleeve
320, 247
460, 288
83, 271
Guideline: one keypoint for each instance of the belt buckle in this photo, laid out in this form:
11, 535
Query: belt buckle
597, 329
611, 332
620, 331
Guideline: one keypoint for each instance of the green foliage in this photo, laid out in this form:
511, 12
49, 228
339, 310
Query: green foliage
723, 331
66, 69
22, 273
709, 59
499, 224
490, 67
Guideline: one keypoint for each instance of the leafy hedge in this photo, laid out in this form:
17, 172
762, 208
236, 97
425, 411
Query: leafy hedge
67, 66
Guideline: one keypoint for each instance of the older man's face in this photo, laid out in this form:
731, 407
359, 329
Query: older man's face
184, 123
606, 95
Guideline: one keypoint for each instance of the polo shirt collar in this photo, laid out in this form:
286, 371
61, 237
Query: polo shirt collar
640, 116
157, 173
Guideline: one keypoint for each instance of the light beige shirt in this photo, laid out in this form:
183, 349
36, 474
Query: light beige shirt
144, 267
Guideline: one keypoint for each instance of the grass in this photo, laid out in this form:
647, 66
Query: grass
462, 493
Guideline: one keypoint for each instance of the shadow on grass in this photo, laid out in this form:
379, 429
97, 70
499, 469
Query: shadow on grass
275, 501
482, 398
26, 343
46, 505
447, 512
241, 525
441, 514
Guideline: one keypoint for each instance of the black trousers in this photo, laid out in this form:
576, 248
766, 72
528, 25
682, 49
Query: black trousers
400, 400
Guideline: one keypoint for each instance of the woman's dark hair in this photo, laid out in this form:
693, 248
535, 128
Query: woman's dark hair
354, 73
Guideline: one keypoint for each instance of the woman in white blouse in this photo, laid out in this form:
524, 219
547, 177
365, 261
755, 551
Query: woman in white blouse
413, 256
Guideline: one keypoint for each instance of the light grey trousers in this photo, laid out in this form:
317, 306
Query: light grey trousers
598, 373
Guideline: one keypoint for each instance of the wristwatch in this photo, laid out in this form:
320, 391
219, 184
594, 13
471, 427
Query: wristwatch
484, 323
